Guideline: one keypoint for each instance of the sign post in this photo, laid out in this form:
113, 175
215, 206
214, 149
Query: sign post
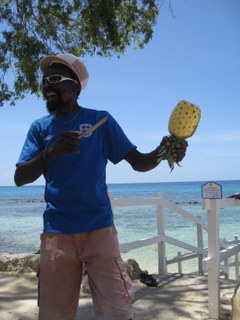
213, 191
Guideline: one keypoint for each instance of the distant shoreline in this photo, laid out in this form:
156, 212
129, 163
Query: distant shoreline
134, 183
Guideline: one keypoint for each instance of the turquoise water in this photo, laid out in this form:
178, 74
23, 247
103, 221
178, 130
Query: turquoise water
21, 217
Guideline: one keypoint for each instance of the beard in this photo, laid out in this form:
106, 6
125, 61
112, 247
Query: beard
55, 103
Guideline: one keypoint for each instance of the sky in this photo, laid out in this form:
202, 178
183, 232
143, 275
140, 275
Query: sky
194, 55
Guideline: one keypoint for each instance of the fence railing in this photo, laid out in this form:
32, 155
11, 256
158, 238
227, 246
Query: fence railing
208, 258
162, 238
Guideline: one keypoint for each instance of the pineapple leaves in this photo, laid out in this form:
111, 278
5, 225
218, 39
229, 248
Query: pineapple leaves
166, 151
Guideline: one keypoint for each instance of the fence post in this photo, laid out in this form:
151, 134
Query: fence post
179, 262
236, 260
200, 245
162, 265
226, 265
213, 253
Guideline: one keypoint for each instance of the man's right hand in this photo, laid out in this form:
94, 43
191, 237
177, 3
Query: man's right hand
66, 143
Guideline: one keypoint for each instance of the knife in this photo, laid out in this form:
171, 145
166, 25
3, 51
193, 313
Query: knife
94, 127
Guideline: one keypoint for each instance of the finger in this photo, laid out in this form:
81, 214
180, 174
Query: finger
71, 135
165, 141
69, 150
67, 145
69, 139
178, 150
178, 156
72, 144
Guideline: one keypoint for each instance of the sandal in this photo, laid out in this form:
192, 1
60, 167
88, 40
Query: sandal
148, 279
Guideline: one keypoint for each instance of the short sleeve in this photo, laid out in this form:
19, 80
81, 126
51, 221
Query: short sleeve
32, 146
116, 143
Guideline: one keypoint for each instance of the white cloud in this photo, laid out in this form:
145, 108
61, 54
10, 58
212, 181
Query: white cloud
233, 136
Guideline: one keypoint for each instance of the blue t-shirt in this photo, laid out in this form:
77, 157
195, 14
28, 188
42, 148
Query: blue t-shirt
76, 191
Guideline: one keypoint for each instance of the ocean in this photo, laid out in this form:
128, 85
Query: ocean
21, 211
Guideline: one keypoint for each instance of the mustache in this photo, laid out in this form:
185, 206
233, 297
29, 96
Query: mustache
56, 91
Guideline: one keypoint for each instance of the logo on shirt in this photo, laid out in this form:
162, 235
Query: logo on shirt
84, 127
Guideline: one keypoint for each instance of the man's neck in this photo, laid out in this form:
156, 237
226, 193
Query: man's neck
69, 109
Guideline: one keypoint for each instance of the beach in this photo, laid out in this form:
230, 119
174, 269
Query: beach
21, 212
180, 297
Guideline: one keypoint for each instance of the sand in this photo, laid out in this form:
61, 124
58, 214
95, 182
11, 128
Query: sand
177, 296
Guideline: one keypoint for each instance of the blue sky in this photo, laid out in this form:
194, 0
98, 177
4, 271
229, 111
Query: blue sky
192, 56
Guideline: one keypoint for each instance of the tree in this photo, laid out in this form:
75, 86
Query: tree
35, 28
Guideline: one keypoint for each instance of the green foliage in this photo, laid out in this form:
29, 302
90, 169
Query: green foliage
35, 28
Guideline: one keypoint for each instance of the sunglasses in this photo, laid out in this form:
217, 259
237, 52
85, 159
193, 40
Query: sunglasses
56, 78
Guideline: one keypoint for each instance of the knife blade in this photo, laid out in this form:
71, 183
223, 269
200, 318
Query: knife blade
94, 127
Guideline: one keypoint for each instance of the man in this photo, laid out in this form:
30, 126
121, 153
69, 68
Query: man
78, 220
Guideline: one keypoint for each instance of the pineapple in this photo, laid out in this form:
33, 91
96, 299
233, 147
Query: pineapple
182, 124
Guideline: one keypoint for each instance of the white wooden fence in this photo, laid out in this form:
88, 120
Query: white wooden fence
212, 264
208, 258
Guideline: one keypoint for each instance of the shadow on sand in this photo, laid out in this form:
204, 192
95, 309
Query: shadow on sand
176, 297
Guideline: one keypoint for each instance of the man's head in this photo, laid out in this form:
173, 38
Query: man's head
69, 60
64, 76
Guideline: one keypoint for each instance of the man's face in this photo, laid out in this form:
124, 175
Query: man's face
62, 94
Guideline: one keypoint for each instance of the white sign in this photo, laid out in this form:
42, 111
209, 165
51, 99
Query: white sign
211, 190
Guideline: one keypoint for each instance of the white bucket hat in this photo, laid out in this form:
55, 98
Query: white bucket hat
71, 61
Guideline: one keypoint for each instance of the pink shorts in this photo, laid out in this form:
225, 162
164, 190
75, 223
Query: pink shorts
61, 261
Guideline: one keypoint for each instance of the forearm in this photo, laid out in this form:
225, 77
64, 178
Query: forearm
147, 161
30, 171
142, 162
